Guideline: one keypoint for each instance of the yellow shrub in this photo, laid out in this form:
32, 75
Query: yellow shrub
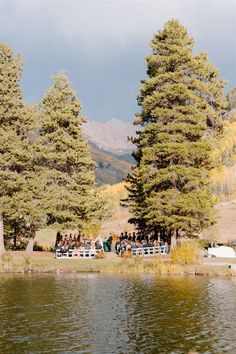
127, 254
186, 253
100, 255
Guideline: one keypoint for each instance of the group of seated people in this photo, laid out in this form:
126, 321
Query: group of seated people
126, 242
77, 243
132, 241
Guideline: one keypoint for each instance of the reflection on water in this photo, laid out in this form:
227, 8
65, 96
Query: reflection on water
105, 314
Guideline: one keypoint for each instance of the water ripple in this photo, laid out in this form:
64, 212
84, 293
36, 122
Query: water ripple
106, 314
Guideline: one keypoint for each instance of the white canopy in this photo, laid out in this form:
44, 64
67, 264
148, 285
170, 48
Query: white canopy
222, 252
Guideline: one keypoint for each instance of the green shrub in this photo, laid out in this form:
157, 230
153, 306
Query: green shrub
186, 253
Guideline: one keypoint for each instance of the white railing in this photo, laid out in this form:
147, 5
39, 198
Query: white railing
91, 253
149, 251
80, 254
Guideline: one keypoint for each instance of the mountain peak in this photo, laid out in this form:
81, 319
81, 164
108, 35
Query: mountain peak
111, 135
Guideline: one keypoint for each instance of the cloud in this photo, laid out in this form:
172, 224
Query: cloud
104, 27
95, 24
103, 43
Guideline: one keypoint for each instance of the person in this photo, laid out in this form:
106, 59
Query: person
145, 244
167, 247
139, 238
87, 246
70, 246
98, 246
129, 237
134, 237
121, 236
128, 247
122, 248
105, 244
99, 241
109, 242
117, 246
64, 247
60, 246
58, 238
150, 244
92, 245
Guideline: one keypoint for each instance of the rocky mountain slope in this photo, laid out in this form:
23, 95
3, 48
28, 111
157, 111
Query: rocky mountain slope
110, 136
110, 149
110, 169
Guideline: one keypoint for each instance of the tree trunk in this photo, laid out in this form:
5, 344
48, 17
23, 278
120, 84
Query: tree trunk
14, 240
2, 246
15, 236
30, 245
173, 240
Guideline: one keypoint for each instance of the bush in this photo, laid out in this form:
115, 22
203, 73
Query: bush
204, 242
186, 253
38, 247
100, 255
127, 254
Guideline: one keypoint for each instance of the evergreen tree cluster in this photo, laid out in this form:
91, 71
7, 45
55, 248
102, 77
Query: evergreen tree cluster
182, 104
46, 171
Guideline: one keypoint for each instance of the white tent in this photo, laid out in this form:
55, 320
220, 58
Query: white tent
221, 252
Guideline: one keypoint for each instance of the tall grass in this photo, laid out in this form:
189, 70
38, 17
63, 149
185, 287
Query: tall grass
186, 253
138, 265
6, 261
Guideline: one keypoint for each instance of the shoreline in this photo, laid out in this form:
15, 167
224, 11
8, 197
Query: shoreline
14, 262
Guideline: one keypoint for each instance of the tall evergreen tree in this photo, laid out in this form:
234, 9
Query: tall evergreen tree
64, 157
16, 122
181, 108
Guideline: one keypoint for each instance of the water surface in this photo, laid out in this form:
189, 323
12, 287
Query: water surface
116, 314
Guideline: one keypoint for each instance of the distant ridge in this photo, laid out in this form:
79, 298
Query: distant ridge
110, 168
110, 136
110, 149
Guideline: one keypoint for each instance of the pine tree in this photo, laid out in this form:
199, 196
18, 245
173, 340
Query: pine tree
181, 114
64, 157
16, 122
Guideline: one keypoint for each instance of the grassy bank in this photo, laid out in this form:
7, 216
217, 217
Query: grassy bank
44, 262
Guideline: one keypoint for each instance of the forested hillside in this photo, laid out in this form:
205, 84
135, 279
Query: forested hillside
224, 155
110, 169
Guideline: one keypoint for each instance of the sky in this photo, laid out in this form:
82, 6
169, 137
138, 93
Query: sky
102, 45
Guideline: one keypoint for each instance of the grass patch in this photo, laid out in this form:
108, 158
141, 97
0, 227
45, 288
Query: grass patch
45, 262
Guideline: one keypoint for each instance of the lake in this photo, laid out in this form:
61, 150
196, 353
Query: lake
90, 313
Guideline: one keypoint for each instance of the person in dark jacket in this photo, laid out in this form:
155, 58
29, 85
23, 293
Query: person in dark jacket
134, 237
109, 242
